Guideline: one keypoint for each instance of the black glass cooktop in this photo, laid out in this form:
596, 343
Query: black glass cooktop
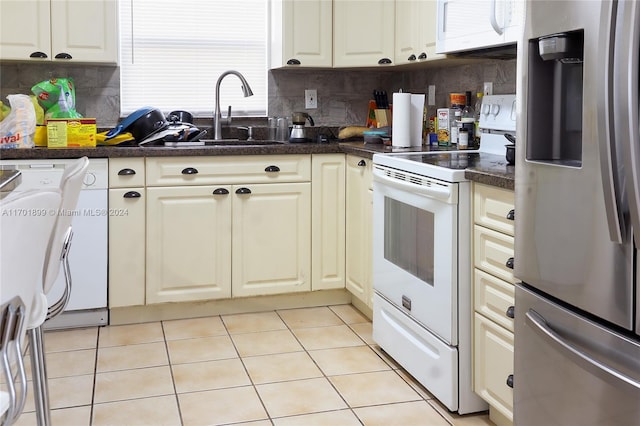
449, 160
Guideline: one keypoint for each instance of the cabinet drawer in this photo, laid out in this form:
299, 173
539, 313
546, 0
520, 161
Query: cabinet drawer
493, 298
228, 170
492, 207
364, 168
492, 252
493, 364
126, 172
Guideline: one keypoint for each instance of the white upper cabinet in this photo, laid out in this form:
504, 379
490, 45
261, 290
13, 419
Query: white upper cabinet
363, 32
59, 30
478, 24
415, 31
301, 33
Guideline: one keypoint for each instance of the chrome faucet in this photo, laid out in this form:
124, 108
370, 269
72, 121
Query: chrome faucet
217, 116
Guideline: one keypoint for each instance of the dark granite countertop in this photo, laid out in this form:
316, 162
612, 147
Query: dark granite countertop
492, 169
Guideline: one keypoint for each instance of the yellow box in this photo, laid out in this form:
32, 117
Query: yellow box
71, 132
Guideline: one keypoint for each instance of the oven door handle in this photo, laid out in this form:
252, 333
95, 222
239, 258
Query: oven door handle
443, 193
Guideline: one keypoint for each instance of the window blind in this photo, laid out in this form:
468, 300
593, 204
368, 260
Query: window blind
172, 53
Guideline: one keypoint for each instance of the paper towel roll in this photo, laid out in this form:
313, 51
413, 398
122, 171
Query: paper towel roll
401, 127
417, 111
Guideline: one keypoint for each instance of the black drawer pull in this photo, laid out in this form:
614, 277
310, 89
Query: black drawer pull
271, 169
126, 172
63, 56
362, 163
422, 56
293, 61
412, 57
511, 312
510, 381
190, 171
220, 191
511, 215
384, 61
243, 191
132, 194
509, 263
38, 55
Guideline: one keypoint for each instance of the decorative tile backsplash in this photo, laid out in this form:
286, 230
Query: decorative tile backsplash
343, 95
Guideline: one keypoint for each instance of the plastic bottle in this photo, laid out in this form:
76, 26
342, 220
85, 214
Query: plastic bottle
467, 122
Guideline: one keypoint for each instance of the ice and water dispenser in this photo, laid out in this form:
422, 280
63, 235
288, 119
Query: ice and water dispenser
555, 93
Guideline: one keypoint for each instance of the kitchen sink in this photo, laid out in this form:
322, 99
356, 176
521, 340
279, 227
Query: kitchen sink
213, 142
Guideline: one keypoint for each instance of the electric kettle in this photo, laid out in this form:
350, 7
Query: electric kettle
297, 132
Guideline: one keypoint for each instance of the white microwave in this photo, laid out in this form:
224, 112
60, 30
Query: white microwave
468, 25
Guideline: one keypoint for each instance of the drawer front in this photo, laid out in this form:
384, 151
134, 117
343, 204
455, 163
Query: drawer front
126, 172
492, 253
493, 298
493, 364
223, 170
493, 208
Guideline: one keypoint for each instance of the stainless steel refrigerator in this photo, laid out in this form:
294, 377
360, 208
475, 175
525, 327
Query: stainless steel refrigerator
577, 323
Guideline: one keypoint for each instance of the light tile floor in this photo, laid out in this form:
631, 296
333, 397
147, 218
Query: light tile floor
311, 366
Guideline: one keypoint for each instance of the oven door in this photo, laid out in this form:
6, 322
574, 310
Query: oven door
415, 249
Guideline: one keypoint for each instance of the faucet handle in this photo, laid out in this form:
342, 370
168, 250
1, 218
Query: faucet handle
228, 119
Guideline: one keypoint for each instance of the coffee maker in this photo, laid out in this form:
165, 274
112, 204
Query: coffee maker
297, 132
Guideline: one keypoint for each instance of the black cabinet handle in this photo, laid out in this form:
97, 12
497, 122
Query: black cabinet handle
412, 57
510, 381
126, 172
509, 263
293, 61
63, 56
362, 163
190, 171
243, 191
511, 215
271, 169
384, 61
422, 56
220, 191
132, 194
511, 312
38, 55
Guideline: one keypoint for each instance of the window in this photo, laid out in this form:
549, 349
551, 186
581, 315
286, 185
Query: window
172, 53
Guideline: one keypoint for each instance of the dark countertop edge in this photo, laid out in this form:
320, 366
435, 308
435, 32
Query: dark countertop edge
505, 181
503, 178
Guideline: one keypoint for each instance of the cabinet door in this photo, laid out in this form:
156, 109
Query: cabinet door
126, 247
24, 29
301, 33
328, 221
363, 32
469, 24
85, 30
415, 35
188, 243
493, 365
359, 206
271, 234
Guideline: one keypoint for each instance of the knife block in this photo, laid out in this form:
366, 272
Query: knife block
383, 117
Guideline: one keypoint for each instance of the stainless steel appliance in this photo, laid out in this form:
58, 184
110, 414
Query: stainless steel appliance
297, 131
88, 255
422, 259
577, 324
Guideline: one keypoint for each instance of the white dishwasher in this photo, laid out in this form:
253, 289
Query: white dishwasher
88, 256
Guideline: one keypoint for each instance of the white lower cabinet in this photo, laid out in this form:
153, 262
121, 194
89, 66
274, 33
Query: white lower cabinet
188, 244
359, 222
233, 226
271, 231
494, 299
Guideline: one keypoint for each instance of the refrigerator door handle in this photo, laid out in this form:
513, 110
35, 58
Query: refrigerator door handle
612, 180
595, 367
626, 99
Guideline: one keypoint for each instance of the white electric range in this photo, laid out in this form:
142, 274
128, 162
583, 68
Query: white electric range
422, 271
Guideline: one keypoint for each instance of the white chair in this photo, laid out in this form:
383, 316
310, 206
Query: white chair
57, 254
26, 226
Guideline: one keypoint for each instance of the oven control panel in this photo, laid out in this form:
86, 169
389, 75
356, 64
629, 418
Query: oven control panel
498, 112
